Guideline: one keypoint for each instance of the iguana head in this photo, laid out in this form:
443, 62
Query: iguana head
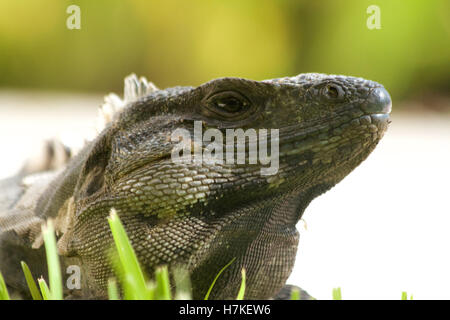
201, 214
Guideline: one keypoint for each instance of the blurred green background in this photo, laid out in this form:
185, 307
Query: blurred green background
189, 42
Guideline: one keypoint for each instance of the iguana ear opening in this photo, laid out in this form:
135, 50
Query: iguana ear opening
92, 178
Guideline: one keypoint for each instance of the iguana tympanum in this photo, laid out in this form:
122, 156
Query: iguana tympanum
194, 214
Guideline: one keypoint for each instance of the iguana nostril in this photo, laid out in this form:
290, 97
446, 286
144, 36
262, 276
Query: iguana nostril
378, 101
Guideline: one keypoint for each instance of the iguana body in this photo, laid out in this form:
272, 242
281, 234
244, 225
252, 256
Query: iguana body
194, 214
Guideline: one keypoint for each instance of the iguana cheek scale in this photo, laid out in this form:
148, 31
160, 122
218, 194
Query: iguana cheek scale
194, 214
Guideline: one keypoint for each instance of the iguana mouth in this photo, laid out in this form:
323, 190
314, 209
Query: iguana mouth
331, 135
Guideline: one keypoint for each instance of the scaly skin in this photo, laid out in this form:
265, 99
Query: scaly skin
198, 215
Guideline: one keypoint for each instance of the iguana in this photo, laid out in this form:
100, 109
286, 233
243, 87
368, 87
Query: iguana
194, 214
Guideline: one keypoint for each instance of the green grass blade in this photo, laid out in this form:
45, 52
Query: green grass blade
130, 288
217, 276
113, 291
337, 295
46, 295
151, 290
30, 282
405, 296
182, 284
54, 270
134, 281
241, 292
162, 284
4, 295
295, 294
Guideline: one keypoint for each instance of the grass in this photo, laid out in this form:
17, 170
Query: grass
134, 284
35, 293
295, 294
3, 291
113, 291
130, 276
54, 269
217, 276
241, 293
405, 296
337, 295
45, 291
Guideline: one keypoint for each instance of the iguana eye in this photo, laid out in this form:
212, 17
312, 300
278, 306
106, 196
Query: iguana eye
333, 91
229, 103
